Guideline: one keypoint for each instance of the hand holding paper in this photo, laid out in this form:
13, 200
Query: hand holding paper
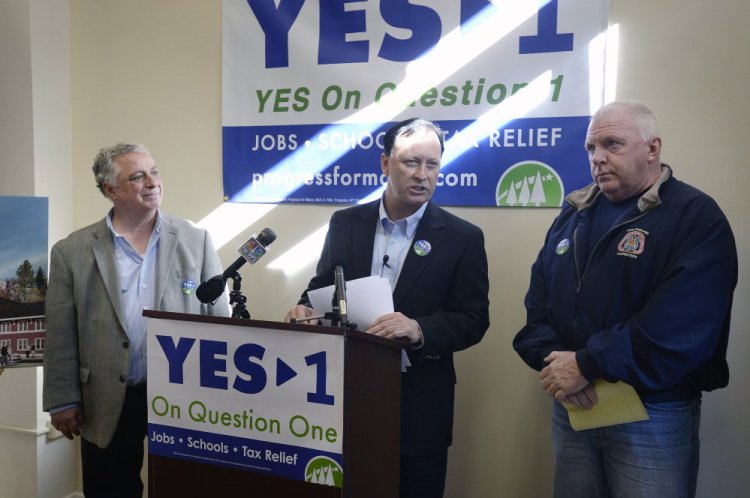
618, 403
367, 299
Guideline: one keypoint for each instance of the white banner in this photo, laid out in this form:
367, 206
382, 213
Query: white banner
259, 399
310, 87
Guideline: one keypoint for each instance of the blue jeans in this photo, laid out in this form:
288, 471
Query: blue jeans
655, 458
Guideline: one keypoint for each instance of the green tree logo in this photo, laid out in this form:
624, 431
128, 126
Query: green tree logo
323, 470
530, 184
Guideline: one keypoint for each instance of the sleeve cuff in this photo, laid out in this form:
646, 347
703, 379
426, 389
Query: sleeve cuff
587, 365
60, 408
420, 341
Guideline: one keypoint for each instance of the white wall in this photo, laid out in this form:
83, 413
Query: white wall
16, 171
35, 137
151, 71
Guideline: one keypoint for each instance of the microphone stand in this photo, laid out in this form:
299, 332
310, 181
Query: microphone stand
339, 315
236, 299
335, 314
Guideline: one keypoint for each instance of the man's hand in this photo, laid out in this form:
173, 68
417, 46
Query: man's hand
68, 422
299, 311
395, 326
585, 398
562, 378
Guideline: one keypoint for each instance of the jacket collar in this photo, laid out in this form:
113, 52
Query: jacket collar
583, 198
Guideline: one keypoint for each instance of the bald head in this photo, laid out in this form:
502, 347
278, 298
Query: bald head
624, 148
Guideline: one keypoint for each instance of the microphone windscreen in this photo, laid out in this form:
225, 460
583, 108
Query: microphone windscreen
209, 291
266, 236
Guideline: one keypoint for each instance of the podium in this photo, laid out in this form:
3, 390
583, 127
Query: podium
370, 409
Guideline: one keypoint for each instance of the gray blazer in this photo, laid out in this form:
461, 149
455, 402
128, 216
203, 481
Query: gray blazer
87, 353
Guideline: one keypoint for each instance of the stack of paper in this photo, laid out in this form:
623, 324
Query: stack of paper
617, 403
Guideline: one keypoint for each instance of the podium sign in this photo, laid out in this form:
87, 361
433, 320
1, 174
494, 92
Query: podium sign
256, 399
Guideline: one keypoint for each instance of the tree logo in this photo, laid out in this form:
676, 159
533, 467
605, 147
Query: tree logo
530, 184
323, 470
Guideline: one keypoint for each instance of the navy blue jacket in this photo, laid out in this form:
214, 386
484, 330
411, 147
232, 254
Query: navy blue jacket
650, 305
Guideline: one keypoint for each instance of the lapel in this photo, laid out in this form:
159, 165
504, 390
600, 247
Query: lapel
103, 248
165, 257
430, 229
363, 238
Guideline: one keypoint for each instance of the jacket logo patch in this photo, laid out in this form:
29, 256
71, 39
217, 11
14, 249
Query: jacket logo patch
562, 247
633, 244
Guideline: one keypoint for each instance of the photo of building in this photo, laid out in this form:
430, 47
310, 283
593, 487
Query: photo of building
23, 279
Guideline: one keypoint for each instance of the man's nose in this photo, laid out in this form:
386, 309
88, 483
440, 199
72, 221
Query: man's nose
598, 156
151, 180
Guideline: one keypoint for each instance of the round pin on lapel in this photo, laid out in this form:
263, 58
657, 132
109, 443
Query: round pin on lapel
562, 247
422, 248
187, 287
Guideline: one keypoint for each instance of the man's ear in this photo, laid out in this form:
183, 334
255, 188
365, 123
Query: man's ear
109, 192
654, 148
384, 163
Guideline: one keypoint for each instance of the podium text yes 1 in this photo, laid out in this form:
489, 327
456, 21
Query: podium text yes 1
298, 408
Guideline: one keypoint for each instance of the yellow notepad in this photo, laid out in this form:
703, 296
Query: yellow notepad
617, 403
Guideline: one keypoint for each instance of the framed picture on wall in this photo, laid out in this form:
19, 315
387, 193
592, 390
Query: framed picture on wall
23, 279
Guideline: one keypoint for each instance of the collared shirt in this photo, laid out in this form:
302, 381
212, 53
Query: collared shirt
137, 278
392, 241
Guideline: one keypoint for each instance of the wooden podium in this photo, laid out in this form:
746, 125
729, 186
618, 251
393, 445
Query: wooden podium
371, 427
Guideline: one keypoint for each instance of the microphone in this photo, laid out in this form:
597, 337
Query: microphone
340, 282
385, 261
251, 251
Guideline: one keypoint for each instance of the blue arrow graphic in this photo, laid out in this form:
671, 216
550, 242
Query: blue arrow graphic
283, 372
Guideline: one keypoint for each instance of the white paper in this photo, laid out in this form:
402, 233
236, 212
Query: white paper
367, 298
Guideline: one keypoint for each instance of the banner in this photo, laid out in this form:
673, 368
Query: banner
257, 399
309, 89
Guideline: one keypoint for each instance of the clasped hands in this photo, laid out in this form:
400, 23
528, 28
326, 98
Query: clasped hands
562, 380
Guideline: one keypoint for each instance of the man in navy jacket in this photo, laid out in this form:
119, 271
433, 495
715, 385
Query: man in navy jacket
437, 266
634, 284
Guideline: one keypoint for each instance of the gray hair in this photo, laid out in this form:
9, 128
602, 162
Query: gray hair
104, 168
643, 117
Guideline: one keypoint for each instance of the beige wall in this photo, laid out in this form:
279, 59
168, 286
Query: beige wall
35, 139
16, 134
151, 71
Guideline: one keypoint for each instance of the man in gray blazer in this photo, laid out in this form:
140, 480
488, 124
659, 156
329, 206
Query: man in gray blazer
101, 278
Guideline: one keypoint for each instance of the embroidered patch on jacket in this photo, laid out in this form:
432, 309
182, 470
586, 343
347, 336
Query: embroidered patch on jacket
633, 244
